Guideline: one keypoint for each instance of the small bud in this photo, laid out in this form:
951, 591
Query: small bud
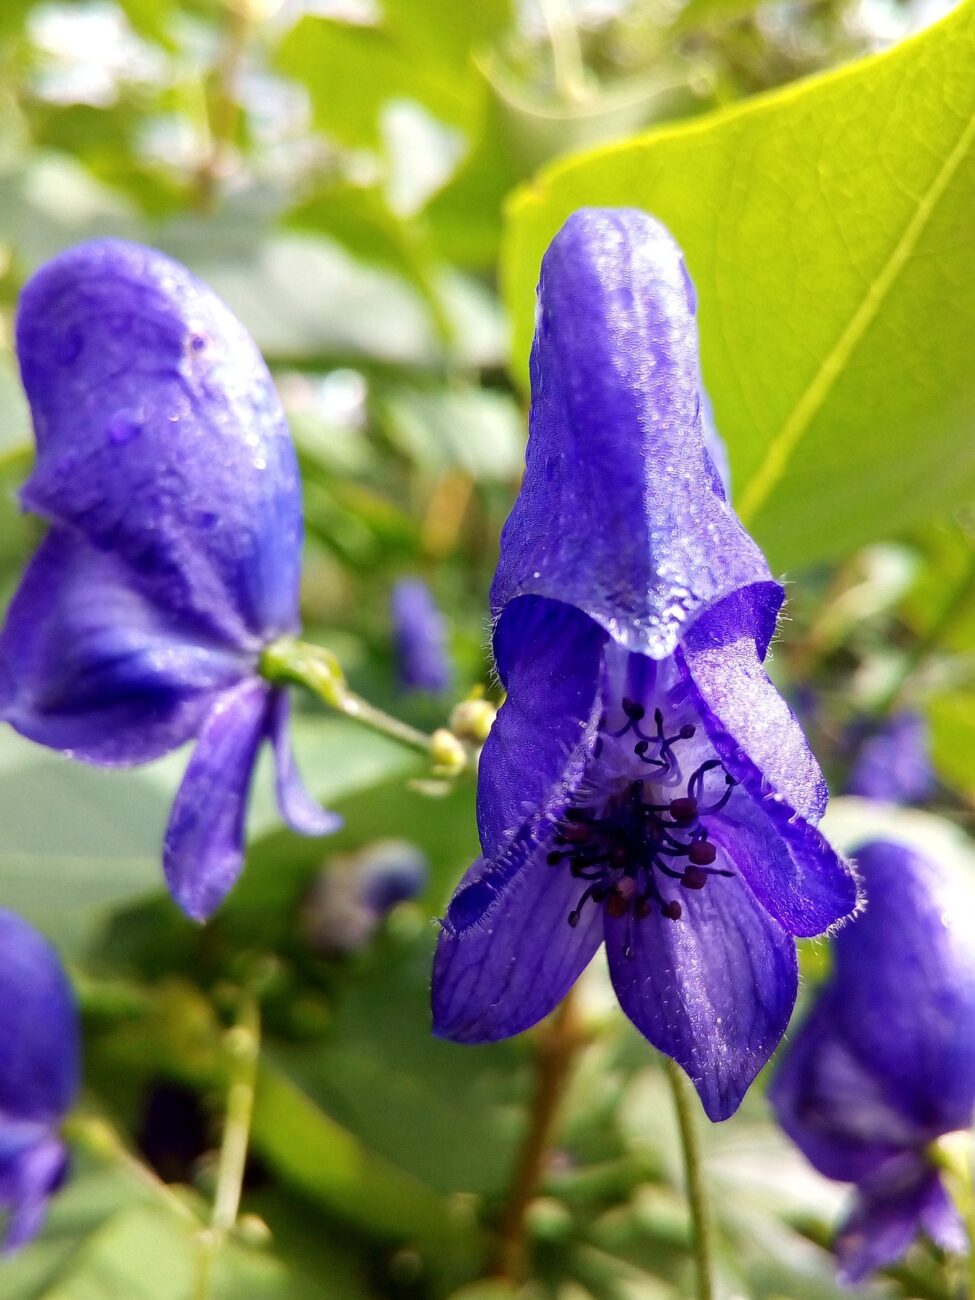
252, 1229
448, 754
472, 720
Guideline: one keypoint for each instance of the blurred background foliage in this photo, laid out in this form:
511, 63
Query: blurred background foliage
341, 171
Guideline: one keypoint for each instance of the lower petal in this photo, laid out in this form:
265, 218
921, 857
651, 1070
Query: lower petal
792, 868
90, 667
303, 814
714, 989
886, 1217
203, 850
831, 1106
28, 1186
507, 954
549, 657
39, 1031
757, 735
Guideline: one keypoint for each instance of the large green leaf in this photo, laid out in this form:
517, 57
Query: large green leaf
78, 841
828, 228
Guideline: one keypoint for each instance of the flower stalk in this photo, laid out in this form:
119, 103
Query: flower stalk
558, 1044
318, 670
694, 1177
242, 1045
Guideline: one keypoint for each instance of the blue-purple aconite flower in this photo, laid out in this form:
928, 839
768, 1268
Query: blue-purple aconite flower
644, 784
893, 763
352, 895
38, 1075
420, 633
168, 477
884, 1064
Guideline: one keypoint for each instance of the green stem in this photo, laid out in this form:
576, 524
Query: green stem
558, 1043
222, 105
694, 1176
242, 1044
318, 671
568, 65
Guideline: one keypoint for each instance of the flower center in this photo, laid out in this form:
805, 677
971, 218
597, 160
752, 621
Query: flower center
633, 842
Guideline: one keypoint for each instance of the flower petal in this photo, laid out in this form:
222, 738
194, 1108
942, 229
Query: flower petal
549, 657
160, 437
714, 989
507, 954
39, 1031
420, 631
909, 1005
756, 734
203, 849
303, 813
26, 1186
620, 513
793, 870
887, 1216
831, 1106
89, 666
893, 763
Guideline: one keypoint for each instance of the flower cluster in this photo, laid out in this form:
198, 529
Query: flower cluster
644, 785
167, 475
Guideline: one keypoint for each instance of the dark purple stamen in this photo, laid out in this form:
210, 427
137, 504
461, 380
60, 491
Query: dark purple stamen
625, 852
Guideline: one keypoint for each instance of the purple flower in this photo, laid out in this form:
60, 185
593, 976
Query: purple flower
353, 894
167, 475
885, 1062
644, 784
38, 1075
421, 637
893, 764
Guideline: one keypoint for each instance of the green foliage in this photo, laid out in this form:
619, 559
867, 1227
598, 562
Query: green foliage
823, 224
344, 175
420, 51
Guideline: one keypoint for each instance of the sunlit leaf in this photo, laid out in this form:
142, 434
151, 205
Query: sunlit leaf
827, 227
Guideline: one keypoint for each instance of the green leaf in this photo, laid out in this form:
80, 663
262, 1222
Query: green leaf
473, 429
828, 229
80, 841
441, 1111
314, 1153
359, 218
419, 52
952, 721
77, 841
108, 1237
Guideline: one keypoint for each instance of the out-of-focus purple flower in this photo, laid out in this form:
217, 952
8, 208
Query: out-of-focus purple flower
893, 764
644, 783
884, 1063
421, 637
353, 894
166, 472
38, 1075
